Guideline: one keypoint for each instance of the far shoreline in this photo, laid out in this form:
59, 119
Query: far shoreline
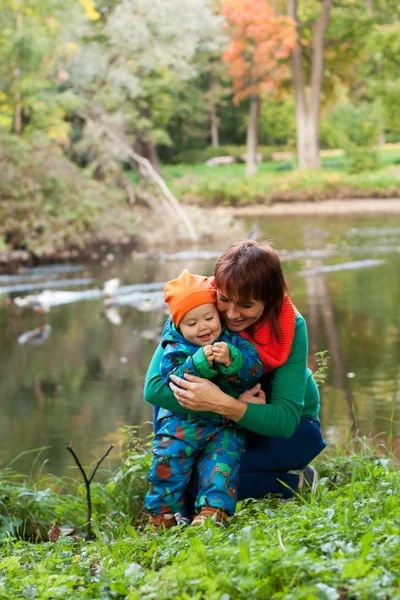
334, 207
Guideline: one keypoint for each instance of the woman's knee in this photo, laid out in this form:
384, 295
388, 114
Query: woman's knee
277, 454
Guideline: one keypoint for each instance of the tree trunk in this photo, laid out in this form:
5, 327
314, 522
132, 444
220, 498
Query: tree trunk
214, 126
317, 74
18, 102
213, 114
153, 155
17, 80
252, 135
307, 110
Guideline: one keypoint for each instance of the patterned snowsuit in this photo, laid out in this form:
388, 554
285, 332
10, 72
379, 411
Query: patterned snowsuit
214, 444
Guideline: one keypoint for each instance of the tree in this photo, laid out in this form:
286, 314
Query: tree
33, 37
308, 108
158, 56
340, 45
259, 42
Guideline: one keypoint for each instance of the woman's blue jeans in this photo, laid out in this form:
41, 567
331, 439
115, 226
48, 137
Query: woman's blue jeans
267, 462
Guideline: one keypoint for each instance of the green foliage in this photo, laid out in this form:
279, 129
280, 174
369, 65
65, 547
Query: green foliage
30, 505
277, 123
342, 542
33, 46
349, 126
47, 205
378, 71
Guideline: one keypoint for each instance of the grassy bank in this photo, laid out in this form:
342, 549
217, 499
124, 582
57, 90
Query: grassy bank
281, 182
344, 542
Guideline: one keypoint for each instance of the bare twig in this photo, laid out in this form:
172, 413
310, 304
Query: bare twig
88, 481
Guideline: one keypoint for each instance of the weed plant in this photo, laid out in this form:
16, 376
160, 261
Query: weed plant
342, 542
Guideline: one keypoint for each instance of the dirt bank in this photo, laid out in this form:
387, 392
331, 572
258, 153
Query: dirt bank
160, 233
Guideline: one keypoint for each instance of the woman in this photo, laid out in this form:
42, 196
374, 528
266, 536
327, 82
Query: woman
281, 412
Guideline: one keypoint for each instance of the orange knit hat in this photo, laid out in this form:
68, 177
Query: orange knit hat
186, 292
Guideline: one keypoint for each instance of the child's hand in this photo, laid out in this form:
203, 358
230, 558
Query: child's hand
254, 396
222, 354
209, 354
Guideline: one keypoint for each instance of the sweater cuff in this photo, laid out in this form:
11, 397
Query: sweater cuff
251, 418
236, 364
201, 365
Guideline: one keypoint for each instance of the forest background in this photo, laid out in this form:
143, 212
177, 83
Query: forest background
100, 99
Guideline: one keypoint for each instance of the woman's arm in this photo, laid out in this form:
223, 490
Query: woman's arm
194, 391
281, 416
157, 392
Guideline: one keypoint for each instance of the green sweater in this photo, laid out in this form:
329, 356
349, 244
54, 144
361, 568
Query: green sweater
290, 389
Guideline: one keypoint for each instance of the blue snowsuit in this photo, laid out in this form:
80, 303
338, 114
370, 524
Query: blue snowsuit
215, 444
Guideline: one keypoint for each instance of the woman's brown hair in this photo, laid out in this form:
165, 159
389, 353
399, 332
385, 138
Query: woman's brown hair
249, 270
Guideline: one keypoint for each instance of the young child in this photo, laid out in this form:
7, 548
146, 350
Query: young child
195, 342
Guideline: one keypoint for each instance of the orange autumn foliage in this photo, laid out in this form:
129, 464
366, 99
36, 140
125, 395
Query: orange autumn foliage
259, 42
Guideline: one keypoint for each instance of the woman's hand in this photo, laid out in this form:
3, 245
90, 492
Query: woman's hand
196, 393
256, 395
200, 394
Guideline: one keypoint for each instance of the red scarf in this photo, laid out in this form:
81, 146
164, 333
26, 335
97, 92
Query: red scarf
273, 354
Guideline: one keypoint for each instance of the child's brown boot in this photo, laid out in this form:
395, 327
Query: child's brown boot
219, 517
162, 521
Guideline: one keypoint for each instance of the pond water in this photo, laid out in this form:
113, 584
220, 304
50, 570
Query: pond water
79, 378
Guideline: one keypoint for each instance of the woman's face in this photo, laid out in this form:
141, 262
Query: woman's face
239, 316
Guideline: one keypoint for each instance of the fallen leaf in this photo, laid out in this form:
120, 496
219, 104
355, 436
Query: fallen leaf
56, 532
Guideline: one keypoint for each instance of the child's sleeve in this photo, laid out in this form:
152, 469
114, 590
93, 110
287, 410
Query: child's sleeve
246, 363
177, 361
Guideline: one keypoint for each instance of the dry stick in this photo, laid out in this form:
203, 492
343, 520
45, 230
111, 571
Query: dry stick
88, 481
151, 173
159, 181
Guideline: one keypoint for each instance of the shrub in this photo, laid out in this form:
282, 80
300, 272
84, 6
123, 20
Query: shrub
351, 125
362, 159
47, 204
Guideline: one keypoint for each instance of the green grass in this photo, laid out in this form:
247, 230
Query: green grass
344, 542
279, 181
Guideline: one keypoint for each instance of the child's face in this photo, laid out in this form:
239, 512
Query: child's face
201, 325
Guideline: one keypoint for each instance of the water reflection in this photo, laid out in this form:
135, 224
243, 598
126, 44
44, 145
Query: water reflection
85, 379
